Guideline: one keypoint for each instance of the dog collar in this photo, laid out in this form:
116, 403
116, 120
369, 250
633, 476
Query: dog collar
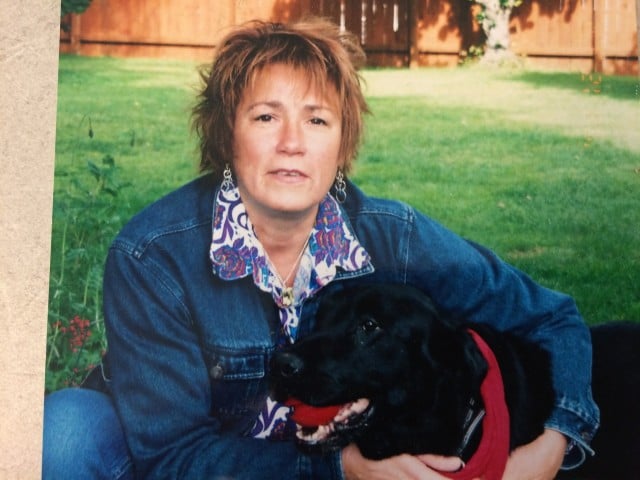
471, 427
490, 458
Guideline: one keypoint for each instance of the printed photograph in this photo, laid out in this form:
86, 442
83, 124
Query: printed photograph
345, 239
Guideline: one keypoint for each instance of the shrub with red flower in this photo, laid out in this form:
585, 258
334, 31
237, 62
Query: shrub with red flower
77, 332
73, 352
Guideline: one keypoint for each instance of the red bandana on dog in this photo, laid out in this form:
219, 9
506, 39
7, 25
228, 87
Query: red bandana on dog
490, 459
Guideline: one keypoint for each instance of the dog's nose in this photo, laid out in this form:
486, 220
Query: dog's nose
287, 364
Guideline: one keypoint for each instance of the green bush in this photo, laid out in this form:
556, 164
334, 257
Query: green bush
86, 214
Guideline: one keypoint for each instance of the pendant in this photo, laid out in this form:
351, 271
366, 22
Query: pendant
287, 296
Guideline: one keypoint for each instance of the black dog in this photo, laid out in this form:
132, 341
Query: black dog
412, 382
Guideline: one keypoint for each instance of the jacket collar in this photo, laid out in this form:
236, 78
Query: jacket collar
333, 251
236, 252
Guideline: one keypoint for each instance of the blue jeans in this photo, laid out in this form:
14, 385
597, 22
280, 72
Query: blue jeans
83, 438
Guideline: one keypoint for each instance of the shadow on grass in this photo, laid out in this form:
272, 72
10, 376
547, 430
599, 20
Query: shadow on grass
618, 87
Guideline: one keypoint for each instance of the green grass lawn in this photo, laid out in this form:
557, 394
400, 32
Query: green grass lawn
544, 168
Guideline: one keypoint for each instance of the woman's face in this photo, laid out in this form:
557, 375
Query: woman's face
286, 144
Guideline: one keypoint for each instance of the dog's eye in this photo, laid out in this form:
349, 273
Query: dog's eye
369, 324
367, 330
368, 327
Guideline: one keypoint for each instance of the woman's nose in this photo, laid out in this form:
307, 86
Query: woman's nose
291, 138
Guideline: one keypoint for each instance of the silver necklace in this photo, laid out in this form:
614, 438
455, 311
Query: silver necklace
286, 297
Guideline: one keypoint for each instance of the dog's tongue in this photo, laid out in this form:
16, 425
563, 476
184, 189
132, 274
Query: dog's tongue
309, 416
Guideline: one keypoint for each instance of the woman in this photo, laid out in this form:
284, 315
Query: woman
204, 285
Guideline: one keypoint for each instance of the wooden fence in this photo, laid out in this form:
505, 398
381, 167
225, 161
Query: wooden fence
584, 35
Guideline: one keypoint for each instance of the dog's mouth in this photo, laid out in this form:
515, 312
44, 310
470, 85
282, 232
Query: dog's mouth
350, 417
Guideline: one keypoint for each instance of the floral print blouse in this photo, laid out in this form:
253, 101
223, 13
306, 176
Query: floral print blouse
236, 252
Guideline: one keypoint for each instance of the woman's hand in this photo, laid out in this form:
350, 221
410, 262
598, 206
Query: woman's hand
538, 460
402, 467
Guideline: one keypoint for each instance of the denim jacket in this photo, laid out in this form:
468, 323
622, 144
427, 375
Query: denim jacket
188, 351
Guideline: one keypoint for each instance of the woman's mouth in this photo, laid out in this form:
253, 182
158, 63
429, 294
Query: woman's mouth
289, 174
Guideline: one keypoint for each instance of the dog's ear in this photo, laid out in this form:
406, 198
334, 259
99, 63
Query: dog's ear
474, 360
333, 304
454, 354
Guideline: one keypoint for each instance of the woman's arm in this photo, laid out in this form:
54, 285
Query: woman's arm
401, 467
538, 460
162, 392
470, 283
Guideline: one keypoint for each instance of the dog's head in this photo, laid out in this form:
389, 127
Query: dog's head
385, 344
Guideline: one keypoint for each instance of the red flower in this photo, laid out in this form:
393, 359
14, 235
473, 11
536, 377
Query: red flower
78, 332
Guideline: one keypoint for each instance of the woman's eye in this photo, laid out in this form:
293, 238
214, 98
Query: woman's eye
318, 121
264, 118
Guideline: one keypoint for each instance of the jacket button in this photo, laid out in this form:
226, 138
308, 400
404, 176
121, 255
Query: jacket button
216, 372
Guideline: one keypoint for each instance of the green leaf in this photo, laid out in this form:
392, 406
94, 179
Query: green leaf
108, 160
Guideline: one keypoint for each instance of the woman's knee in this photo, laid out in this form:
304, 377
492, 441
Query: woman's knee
83, 437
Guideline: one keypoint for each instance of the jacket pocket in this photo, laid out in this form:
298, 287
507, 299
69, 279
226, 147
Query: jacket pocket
238, 385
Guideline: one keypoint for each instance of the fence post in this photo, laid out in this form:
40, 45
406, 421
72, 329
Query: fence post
638, 32
75, 34
414, 61
599, 34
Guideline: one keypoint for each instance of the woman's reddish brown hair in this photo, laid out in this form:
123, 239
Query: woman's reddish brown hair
315, 46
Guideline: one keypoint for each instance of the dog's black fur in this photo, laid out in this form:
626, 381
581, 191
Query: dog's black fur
387, 343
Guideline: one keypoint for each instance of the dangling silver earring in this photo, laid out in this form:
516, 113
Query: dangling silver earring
227, 179
341, 187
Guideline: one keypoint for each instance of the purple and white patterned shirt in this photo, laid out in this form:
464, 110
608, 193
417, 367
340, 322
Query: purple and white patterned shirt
236, 252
